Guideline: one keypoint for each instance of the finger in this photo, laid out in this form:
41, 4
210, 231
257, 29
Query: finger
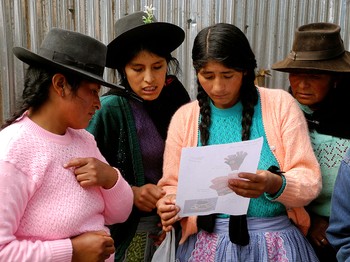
167, 211
75, 162
239, 184
145, 199
86, 183
161, 193
169, 221
145, 195
169, 217
167, 228
323, 241
318, 242
152, 199
109, 250
81, 178
155, 192
173, 220
160, 189
248, 176
108, 242
246, 192
102, 233
170, 198
85, 180
165, 208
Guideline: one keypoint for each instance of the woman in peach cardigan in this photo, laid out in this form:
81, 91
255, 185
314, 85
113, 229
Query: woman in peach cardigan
230, 108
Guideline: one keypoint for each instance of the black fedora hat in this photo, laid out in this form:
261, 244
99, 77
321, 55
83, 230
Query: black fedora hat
141, 27
70, 52
316, 47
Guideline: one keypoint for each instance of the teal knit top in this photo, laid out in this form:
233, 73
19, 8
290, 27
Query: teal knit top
226, 128
329, 151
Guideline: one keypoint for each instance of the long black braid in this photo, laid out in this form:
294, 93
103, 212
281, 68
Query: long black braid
226, 44
205, 113
35, 92
37, 81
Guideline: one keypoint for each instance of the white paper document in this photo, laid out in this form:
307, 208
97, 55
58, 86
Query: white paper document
204, 173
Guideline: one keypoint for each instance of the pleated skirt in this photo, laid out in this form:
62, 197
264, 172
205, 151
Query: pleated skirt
271, 239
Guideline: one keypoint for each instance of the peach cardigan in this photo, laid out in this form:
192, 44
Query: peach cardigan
288, 137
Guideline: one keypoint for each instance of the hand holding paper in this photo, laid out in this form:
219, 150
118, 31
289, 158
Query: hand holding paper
204, 173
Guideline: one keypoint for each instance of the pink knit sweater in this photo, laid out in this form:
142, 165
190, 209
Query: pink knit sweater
41, 203
288, 137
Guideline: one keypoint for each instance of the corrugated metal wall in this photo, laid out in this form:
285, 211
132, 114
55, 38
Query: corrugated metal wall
268, 24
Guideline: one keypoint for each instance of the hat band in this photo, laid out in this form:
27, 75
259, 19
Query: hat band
68, 60
316, 55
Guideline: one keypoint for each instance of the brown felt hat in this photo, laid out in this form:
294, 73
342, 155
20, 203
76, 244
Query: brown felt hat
134, 28
316, 47
70, 52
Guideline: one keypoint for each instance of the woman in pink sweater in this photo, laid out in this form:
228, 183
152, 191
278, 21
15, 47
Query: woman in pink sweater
229, 108
57, 191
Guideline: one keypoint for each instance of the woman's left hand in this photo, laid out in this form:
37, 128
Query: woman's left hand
317, 231
90, 171
253, 185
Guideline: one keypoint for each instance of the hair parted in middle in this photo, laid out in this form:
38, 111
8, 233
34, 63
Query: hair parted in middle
226, 44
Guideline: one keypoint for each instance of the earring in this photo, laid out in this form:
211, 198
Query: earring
335, 85
62, 93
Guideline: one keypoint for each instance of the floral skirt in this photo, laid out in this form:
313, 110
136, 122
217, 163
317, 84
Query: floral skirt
271, 239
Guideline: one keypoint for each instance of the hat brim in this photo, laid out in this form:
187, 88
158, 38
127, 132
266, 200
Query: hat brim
164, 36
31, 58
340, 64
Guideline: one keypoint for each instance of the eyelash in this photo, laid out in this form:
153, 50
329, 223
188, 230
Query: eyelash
211, 77
141, 69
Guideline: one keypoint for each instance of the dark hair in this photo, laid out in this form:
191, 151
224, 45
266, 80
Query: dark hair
135, 49
226, 44
37, 81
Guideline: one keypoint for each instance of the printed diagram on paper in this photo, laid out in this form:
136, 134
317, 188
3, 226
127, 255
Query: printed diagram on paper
204, 173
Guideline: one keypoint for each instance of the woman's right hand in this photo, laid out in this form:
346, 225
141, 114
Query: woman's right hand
146, 196
168, 210
92, 246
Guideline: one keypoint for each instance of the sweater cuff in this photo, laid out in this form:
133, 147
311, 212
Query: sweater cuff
272, 197
120, 188
61, 250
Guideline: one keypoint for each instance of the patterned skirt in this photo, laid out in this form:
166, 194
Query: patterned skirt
142, 247
271, 239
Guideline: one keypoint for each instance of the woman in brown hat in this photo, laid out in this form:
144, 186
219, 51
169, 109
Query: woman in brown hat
319, 68
131, 132
57, 191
